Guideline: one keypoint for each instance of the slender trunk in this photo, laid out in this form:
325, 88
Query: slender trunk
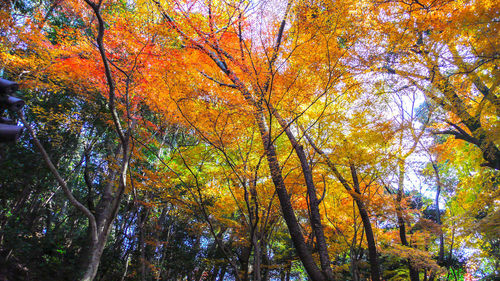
402, 235
438, 214
222, 273
354, 266
266, 263
127, 261
401, 223
314, 215
105, 214
286, 207
438, 220
450, 254
370, 240
372, 249
244, 264
142, 217
256, 258
370, 237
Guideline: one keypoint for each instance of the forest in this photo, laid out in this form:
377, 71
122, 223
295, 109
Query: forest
250, 140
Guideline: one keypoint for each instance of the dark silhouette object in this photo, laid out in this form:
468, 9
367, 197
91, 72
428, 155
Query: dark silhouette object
9, 131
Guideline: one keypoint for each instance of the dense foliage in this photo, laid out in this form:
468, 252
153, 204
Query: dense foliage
252, 140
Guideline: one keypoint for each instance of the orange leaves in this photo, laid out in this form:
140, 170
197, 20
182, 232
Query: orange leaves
199, 66
419, 258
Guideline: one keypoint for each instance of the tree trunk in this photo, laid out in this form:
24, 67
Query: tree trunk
244, 257
256, 257
93, 261
370, 237
314, 215
142, 218
370, 240
401, 223
222, 273
354, 265
372, 249
286, 207
438, 214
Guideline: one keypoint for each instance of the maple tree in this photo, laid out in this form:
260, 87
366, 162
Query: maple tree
69, 57
447, 50
262, 98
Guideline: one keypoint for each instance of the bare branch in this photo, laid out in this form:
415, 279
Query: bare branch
60, 180
216, 81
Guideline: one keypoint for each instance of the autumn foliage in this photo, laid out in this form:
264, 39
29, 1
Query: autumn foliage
240, 140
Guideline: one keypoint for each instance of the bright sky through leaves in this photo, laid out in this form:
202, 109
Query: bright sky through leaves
251, 140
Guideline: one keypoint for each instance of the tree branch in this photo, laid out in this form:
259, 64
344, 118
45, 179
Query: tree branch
216, 81
60, 180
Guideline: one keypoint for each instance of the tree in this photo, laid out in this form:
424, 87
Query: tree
253, 75
448, 52
101, 216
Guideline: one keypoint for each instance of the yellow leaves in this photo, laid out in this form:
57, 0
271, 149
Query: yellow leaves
419, 258
312, 83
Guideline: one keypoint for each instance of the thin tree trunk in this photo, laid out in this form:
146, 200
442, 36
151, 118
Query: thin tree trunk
314, 215
106, 212
222, 273
127, 261
244, 257
401, 223
370, 237
450, 254
286, 207
142, 216
93, 260
354, 266
438, 213
256, 258
438, 220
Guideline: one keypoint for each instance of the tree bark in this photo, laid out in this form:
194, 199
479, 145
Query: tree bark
370, 237
286, 207
314, 216
256, 257
438, 213
401, 223
93, 259
365, 218
106, 212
